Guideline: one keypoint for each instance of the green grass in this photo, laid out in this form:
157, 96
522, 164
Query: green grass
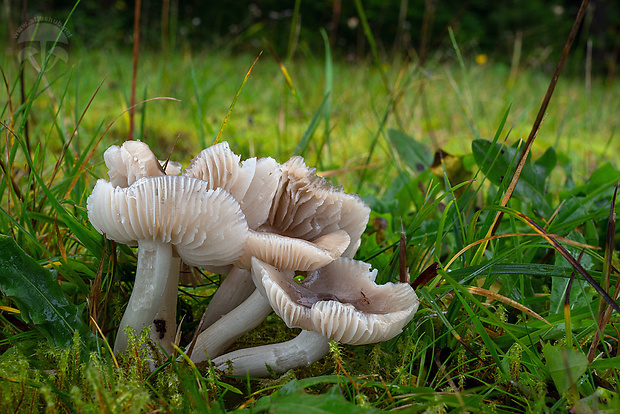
268, 120
465, 348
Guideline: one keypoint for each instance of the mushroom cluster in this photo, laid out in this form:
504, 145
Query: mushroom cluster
260, 223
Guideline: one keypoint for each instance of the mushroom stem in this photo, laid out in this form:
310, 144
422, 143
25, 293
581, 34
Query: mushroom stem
153, 301
307, 348
236, 287
214, 340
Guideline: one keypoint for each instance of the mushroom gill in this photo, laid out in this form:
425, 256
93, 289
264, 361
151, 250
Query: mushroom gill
170, 218
307, 206
341, 301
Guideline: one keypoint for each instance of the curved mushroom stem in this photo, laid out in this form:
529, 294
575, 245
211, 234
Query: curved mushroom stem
245, 317
236, 287
153, 301
307, 348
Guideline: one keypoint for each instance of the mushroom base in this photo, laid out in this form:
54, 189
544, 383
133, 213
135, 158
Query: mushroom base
307, 348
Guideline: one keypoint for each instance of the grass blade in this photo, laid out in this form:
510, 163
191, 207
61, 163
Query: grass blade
576, 265
232, 105
301, 147
327, 93
605, 313
371, 41
201, 127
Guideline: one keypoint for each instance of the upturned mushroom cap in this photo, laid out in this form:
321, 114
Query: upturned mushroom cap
307, 207
340, 301
130, 162
293, 254
206, 226
253, 183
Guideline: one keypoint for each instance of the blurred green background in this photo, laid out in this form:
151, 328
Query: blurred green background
409, 27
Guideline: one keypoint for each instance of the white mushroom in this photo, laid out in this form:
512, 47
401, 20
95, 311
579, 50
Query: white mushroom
284, 253
223, 332
130, 162
134, 160
303, 350
340, 302
281, 203
284, 205
292, 253
237, 317
253, 183
166, 216
310, 223
236, 288
308, 207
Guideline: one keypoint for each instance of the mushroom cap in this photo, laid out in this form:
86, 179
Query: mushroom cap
172, 168
207, 227
306, 206
287, 253
253, 183
130, 162
340, 301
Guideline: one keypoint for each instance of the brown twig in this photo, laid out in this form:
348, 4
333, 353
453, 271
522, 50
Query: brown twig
426, 276
403, 275
570, 259
95, 290
170, 154
541, 112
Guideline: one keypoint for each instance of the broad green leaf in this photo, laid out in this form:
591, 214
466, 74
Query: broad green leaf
602, 401
414, 155
604, 176
301, 147
546, 163
599, 186
292, 399
566, 366
498, 161
579, 294
38, 295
